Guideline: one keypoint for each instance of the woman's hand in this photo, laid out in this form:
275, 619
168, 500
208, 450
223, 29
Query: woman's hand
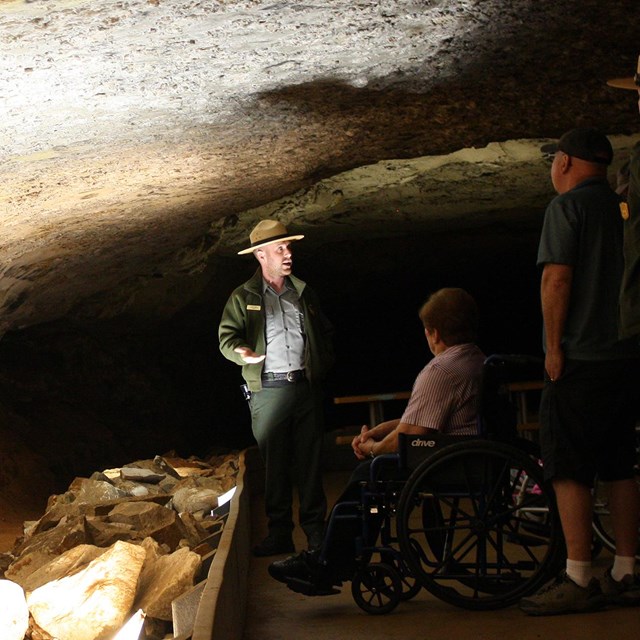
356, 443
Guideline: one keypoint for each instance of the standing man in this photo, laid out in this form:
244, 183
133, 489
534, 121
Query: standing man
273, 327
588, 407
630, 293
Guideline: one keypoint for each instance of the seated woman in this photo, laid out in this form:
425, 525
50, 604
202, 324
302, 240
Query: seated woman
443, 398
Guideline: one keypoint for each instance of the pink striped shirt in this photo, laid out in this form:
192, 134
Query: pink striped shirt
445, 393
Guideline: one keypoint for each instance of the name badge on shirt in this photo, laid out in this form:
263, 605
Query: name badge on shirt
253, 307
624, 210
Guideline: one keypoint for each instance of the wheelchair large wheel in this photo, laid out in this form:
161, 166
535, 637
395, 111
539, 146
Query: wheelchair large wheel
376, 588
477, 525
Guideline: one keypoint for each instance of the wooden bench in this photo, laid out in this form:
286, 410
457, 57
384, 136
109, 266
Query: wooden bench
375, 402
527, 420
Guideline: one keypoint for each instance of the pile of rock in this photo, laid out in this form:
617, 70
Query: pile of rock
121, 541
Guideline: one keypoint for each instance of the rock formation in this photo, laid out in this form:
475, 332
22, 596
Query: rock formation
101, 552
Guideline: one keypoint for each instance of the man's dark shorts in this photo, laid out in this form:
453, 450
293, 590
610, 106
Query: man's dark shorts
588, 420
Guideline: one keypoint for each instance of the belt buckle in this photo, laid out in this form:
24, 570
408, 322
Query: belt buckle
290, 377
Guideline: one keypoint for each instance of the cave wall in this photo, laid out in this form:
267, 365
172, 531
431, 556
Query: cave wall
132, 128
142, 139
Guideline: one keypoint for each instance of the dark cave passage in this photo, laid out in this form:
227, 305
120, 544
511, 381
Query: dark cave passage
89, 396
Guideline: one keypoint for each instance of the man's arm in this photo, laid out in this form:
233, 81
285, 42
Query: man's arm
232, 334
555, 294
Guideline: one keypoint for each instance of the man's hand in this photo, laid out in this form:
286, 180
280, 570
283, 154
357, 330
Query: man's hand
554, 364
249, 356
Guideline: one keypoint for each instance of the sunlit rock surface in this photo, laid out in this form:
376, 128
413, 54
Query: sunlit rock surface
14, 614
83, 579
130, 128
164, 579
93, 603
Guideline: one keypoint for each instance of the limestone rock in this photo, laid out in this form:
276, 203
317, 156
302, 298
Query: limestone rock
104, 534
94, 491
65, 498
194, 527
141, 515
137, 490
141, 475
44, 547
153, 549
193, 500
165, 579
62, 566
80, 499
190, 466
63, 510
166, 466
150, 519
219, 485
14, 614
91, 523
5, 560
37, 633
93, 603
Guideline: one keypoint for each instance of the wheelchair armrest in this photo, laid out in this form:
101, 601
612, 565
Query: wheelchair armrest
381, 462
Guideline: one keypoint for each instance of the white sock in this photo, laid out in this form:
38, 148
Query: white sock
623, 566
580, 571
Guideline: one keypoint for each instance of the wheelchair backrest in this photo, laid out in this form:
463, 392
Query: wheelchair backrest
497, 412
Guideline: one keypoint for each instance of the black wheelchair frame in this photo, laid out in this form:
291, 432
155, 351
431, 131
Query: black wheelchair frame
469, 519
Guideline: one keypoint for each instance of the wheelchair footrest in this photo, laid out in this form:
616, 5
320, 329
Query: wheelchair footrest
310, 589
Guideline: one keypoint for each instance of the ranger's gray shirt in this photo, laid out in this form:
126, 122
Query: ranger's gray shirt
284, 327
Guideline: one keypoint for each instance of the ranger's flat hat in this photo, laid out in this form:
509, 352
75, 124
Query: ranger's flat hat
266, 232
627, 83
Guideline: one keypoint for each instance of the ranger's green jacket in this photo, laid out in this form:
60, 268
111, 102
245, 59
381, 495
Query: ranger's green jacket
243, 325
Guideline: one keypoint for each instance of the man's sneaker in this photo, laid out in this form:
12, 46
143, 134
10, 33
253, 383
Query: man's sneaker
273, 546
563, 595
625, 592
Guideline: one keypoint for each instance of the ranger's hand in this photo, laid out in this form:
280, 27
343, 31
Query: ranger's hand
249, 356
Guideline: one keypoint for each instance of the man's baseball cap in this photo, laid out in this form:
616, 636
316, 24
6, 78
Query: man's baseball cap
632, 83
585, 143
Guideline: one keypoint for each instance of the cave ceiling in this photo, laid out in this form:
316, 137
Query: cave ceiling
141, 139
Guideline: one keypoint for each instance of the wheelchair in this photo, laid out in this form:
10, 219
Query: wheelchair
469, 519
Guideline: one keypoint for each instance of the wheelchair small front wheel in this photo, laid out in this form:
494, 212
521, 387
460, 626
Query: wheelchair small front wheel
376, 588
410, 585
